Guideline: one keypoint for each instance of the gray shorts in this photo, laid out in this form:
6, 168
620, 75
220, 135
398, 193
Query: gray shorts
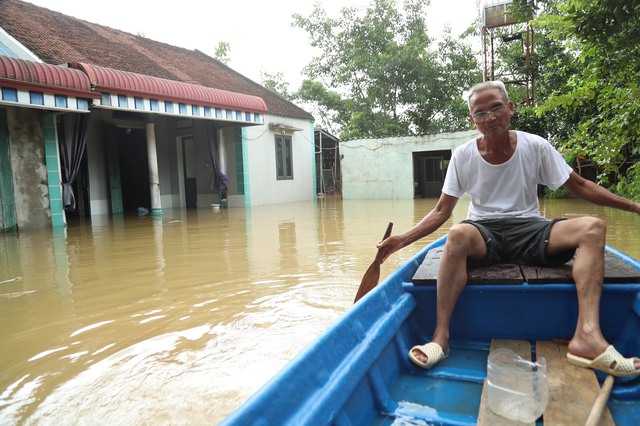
518, 240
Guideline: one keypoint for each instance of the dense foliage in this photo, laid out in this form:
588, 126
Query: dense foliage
629, 186
379, 73
588, 76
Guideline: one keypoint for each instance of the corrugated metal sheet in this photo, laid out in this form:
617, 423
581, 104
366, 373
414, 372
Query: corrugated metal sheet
107, 80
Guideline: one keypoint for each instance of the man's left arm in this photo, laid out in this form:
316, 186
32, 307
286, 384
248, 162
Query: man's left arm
596, 194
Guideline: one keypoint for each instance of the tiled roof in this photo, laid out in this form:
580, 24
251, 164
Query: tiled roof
57, 39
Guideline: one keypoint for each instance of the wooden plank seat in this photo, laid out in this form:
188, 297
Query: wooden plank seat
616, 271
572, 390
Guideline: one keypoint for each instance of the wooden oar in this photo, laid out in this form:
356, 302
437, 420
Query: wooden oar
601, 402
371, 277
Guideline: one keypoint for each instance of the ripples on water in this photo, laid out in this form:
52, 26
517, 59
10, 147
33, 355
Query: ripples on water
177, 320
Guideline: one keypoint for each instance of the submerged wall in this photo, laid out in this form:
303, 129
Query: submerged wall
248, 158
382, 168
31, 190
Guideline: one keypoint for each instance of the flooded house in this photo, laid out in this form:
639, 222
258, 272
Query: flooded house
96, 121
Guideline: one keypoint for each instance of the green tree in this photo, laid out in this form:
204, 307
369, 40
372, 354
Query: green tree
441, 107
222, 52
629, 186
599, 86
377, 74
276, 83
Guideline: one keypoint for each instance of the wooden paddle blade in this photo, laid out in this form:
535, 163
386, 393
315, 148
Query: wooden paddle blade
372, 276
369, 280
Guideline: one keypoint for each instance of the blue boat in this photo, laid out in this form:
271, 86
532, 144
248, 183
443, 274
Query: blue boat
358, 372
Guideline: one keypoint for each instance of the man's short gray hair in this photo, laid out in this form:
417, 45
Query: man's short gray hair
495, 84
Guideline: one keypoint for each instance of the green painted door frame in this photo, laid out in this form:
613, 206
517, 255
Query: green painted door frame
54, 174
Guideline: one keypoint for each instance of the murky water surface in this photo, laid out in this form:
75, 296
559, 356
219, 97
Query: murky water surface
178, 319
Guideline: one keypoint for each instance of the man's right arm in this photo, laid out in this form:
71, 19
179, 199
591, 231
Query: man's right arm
430, 223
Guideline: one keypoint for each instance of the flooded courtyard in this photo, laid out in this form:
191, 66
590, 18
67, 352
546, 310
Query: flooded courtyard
178, 319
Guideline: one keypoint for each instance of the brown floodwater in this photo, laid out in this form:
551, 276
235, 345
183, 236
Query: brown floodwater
178, 319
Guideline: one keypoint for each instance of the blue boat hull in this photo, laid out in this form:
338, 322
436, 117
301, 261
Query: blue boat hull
358, 372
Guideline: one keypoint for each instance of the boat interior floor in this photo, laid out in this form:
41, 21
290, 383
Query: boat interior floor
457, 387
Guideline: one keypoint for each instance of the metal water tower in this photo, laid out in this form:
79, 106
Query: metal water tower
501, 27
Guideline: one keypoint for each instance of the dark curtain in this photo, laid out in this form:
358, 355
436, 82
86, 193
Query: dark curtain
72, 148
218, 179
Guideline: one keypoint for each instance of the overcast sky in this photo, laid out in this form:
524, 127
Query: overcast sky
259, 31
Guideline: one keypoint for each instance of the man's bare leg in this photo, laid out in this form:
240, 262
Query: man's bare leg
588, 235
463, 240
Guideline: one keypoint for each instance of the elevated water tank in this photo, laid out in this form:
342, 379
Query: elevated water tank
497, 13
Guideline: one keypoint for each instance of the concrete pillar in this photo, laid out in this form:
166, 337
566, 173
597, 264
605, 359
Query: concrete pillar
222, 152
154, 179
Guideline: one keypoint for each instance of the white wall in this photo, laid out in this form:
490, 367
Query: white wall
377, 169
260, 163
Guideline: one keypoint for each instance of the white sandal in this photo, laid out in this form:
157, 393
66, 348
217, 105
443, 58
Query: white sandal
433, 351
610, 361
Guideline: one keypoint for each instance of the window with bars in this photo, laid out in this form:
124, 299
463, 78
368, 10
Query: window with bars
284, 157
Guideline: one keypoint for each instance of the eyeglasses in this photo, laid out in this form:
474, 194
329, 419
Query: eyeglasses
481, 116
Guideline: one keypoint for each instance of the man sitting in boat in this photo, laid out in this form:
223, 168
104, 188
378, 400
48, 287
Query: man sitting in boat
501, 170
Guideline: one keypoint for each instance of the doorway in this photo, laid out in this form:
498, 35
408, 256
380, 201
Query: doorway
429, 169
134, 169
81, 192
189, 172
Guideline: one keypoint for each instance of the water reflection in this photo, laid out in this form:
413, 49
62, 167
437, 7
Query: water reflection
177, 320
